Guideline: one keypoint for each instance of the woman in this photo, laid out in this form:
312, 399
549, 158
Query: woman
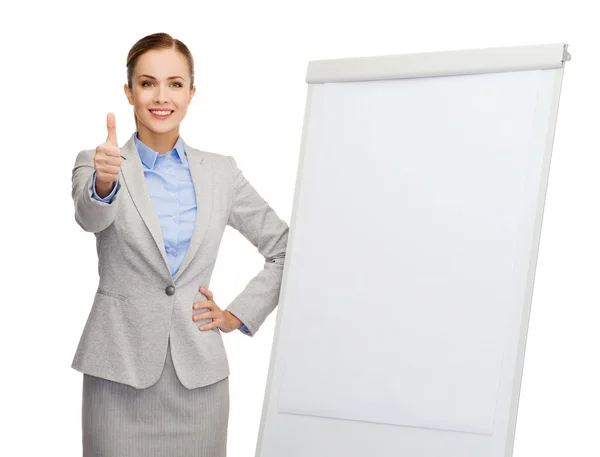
155, 370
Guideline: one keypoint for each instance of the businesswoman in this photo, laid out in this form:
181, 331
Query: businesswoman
155, 370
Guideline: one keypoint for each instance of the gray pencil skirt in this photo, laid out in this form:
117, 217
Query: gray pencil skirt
163, 420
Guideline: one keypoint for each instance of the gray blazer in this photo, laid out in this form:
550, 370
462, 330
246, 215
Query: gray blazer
137, 305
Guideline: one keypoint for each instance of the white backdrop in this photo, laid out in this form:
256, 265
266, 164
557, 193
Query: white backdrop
63, 69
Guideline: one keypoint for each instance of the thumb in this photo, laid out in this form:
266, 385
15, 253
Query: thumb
111, 126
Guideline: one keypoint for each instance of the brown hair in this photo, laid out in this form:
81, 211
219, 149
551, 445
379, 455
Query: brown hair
152, 42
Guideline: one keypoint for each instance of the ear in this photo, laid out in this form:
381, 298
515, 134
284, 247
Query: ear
192, 92
128, 93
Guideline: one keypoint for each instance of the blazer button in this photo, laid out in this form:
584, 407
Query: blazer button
170, 290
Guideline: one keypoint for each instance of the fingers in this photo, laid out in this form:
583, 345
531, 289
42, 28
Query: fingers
205, 304
206, 292
215, 317
208, 303
107, 163
111, 126
107, 160
207, 315
216, 314
208, 326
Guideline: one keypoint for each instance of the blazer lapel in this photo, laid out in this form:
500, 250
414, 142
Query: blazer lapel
200, 171
132, 171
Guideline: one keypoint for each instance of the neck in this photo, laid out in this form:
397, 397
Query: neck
160, 142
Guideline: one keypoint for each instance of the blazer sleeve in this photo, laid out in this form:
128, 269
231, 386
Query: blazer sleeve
252, 216
91, 214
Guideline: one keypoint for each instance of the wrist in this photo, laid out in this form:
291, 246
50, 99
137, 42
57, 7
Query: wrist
103, 188
236, 323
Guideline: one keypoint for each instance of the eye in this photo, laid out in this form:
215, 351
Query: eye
150, 82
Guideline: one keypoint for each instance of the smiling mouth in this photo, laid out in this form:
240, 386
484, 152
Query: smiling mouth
161, 114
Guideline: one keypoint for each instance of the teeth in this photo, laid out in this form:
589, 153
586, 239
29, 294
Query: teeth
161, 113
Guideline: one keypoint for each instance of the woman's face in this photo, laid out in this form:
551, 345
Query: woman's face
153, 90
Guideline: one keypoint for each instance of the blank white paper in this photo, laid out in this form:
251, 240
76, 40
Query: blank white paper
402, 281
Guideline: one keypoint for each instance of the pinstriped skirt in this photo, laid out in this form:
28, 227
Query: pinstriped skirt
164, 420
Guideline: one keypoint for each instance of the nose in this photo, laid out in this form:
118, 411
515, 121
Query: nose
160, 95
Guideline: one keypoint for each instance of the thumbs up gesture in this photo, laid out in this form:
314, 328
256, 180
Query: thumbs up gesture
107, 160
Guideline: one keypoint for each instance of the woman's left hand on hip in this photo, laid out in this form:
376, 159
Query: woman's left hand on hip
222, 319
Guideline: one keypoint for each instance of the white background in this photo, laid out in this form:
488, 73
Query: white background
63, 69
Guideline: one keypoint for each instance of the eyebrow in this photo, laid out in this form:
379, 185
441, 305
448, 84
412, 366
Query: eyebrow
152, 77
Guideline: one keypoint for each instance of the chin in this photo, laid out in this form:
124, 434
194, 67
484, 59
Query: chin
157, 126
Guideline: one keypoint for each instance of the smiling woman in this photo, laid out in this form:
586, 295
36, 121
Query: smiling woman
155, 93
156, 376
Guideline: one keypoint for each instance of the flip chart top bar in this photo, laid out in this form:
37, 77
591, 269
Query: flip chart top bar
440, 63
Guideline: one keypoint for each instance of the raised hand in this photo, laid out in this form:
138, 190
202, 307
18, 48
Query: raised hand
107, 160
